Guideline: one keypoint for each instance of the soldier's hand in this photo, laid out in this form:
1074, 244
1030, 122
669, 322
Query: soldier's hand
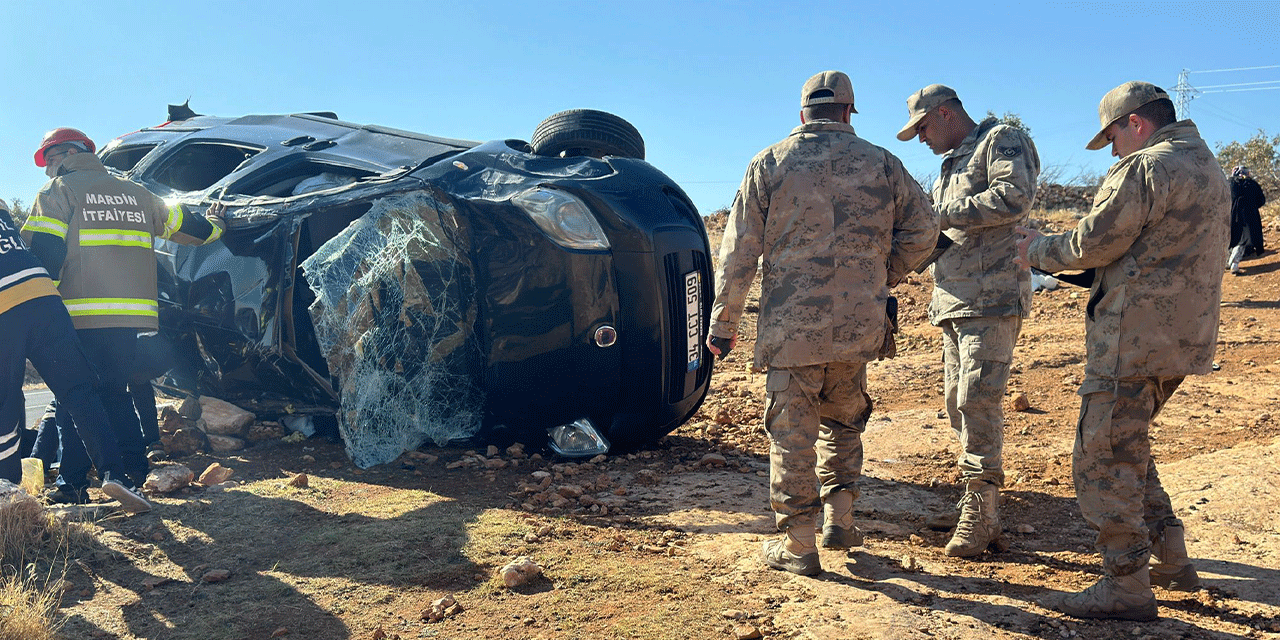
1024, 243
721, 347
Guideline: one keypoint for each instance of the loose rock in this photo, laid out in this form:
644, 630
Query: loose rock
216, 575
168, 479
712, 460
445, 607
223, 444
215, 474
223, 418
191, 408
519, 571
184, 442
1021, 402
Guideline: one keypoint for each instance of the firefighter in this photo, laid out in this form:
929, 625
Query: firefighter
36, 327
93, 232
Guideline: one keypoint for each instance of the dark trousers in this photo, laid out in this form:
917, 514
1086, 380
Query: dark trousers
41, 441
112, 353
41, 331
46, 444
144, 401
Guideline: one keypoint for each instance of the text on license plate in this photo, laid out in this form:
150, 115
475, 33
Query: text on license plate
693, 317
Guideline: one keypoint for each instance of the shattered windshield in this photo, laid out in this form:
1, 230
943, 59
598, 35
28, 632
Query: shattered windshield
394, 315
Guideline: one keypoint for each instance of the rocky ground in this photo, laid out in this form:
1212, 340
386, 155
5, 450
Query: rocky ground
664, 542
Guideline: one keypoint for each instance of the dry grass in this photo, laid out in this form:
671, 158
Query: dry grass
23, 525
35, 548
26, 610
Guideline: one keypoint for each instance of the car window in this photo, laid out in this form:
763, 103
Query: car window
200, 165
296, 176
124, 158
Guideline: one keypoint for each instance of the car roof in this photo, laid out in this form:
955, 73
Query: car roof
374, 146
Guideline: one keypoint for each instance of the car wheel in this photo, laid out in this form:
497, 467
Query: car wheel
585, 132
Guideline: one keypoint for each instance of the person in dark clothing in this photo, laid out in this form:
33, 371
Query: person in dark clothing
37, 326
153, 359
1246, 223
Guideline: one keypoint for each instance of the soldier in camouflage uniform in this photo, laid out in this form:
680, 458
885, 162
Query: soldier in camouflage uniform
1155, 239
838, 221
984, 190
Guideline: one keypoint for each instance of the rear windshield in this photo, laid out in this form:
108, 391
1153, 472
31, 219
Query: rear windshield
200, 165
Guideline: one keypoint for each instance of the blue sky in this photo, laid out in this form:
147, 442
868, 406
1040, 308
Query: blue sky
708, 84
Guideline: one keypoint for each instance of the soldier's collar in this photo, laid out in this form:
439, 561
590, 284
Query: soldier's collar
823, 125
1178, 129
970, 141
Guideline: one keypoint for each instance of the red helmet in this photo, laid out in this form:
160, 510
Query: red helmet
62, 135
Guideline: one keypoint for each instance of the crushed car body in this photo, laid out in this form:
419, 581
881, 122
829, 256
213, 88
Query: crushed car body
431, 289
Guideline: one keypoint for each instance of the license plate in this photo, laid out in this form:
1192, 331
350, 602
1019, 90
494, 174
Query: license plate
693, 318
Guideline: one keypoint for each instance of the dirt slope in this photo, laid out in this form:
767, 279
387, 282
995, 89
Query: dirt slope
664, 543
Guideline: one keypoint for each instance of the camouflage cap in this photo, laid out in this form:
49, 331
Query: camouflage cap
921, 103
827, 87
1120, 102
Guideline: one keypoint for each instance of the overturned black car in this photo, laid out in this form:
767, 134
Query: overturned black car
423, 288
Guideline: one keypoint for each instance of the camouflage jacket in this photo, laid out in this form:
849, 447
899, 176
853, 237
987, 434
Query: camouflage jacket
1156, 235
837, 221
984, 190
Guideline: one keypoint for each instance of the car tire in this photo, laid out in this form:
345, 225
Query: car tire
586, 132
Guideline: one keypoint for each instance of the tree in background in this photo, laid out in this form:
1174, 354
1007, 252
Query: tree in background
19, 211
1012, 119
1260, 155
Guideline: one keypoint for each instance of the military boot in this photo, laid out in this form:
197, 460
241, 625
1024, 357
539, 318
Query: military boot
796, 552
1127, 597
1170, 566
979, 524
838, 530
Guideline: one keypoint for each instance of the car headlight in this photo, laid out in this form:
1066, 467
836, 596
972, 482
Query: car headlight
563, 217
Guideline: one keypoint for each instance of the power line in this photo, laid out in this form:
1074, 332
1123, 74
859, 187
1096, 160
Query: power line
1237, 84
1185, 92
1273, 66
1222, 114
1235, 90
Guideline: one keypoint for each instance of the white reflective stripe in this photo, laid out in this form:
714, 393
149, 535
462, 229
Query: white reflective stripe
25, 273
11, 451
122, 237
217, 232
52, 226
12, 435
173, 221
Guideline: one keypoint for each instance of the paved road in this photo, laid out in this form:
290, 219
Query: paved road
37, 400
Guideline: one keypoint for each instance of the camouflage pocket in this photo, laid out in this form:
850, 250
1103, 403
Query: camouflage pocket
777, 380
1104, 194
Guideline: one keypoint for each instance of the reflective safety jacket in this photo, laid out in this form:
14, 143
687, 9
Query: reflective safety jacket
94, 232
21, 276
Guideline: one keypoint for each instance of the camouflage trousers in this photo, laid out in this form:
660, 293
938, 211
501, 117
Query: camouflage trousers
976, 353
1116, 481
815, 416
